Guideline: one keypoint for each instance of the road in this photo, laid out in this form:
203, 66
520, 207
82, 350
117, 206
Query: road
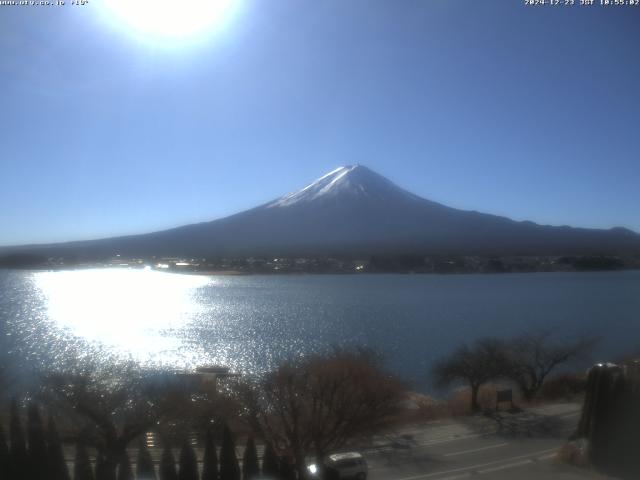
519, 446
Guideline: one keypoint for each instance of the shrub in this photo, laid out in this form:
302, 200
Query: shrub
145, 470
250, 466
103, 469
124, 467
18, 459
4, 455
82, 466
55, 455
168, 465
229, 468
210, 461
565, 386
188, 463
270, 463
37, 444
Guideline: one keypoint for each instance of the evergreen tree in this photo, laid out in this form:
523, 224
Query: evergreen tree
18, 459
210, 461
287, 471
105, 467
145, 470
168, 465
37, 452
125, 471
82, 466
101, 467
188, 463
250, 466
229, 468
55, 455
270, 463
4, 456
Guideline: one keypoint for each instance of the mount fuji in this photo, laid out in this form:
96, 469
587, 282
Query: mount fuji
355, 211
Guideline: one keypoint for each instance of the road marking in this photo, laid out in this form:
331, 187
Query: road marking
474, 450
572, 414
453, 439
476, 467
447, 438
382, 449
548, 456
456, 477
505, 466
517, 464
376, 450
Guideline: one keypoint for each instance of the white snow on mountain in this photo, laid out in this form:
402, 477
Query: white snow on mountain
355, 180
325, 185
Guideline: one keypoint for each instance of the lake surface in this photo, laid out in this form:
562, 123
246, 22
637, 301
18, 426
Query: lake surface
252, 322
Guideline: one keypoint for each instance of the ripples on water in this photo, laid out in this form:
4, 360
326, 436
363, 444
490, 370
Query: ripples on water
252, 322
136, 313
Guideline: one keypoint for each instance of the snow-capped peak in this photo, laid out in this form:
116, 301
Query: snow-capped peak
355, 180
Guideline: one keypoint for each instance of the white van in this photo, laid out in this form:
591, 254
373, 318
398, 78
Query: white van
342, 465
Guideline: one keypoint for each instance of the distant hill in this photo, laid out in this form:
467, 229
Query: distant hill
353, 211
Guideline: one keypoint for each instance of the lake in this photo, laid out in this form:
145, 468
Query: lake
250, 323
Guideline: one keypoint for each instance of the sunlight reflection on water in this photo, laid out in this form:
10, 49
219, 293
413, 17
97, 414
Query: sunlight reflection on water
134, 313
251, 323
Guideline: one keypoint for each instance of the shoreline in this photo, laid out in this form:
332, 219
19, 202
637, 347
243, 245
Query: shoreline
233, 273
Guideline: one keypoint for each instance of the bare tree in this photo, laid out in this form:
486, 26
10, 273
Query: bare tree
109, 407
533, 356
483, 361
321, 403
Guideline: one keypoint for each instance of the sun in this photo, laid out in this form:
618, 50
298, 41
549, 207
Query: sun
172, 19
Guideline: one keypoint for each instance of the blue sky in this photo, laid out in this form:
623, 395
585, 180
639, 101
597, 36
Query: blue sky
528, 112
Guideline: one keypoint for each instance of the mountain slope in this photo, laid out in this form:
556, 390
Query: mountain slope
354, 211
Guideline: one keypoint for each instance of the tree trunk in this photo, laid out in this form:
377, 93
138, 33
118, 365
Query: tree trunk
106, 467
475, 407
528, 392
301, 466
112, 455
320, 455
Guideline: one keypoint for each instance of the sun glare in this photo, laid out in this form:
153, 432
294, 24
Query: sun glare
170, 19
132, 312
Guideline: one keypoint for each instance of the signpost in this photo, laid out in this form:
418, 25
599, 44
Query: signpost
504, 396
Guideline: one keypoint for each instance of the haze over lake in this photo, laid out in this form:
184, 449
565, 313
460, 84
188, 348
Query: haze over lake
252, 322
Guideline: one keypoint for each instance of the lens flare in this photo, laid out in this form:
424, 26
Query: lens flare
167, 19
